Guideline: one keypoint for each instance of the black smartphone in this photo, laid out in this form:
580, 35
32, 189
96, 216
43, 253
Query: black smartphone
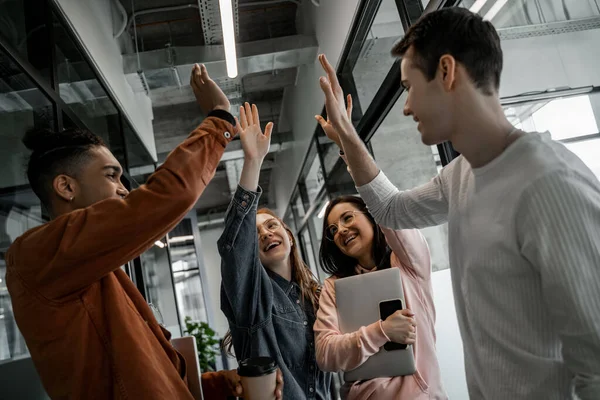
387, 308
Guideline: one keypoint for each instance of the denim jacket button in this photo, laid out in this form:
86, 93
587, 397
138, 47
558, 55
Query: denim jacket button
305, 323
244, 204
298, 301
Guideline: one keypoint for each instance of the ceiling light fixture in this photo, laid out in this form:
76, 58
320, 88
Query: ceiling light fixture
180, 239
495, 10
160, 244
322, 212
477, 6
228, 37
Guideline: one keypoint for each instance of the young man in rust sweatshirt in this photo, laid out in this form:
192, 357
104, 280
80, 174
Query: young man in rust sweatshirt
90, 332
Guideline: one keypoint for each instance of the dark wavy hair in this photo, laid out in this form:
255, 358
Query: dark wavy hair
336, 263
55, 153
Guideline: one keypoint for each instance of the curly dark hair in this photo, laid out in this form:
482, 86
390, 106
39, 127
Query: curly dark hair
56, 153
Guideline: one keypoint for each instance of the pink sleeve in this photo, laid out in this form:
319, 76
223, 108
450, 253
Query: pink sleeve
342, 352
416, 248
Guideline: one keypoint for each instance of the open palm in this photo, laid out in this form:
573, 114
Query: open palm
254, 143
328, 127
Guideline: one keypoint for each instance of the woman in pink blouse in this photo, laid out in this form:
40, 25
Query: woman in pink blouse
354, 244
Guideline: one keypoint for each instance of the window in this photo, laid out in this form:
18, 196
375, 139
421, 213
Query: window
22, 106
572, 120
23, 26
186, 272
312, 178
316, 228
408, 163
81, 90
137, 155
508, 14
375, 60
159, 284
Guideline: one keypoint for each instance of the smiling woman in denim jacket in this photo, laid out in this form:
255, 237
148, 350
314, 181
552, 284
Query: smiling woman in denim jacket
268, 294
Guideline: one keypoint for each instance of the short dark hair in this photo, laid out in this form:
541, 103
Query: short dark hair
56, 153
336, 263
462, 34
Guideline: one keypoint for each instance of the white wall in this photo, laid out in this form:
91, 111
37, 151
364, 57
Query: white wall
92, 22
449, 343
331, 23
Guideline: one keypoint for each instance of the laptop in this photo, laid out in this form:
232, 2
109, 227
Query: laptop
358, 299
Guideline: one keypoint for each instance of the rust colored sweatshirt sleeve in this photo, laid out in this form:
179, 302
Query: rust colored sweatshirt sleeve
79, 248
214, 386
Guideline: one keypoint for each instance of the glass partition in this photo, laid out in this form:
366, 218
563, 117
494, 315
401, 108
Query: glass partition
408, 163
186, 272
375, 60
160, 291
22, 106
81, 90
573, 120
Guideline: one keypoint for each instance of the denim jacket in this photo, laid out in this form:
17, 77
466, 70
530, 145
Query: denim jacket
265, 312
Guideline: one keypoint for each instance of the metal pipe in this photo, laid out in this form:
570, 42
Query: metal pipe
566, 10
267, 3
540, 13
125, 19
137, 50
134, 14
527, 14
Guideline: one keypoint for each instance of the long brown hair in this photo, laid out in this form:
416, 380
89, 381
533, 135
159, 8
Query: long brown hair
301, 274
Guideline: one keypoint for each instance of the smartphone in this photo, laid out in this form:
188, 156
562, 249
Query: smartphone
387, 308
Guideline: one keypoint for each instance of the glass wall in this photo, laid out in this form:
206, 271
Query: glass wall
22, 107
160, 289
401, 155
186, 266
571, 120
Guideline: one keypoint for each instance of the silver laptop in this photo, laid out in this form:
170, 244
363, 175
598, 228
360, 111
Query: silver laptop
358, 299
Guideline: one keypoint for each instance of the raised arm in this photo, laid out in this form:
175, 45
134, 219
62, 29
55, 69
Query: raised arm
559, 233
83, 246
417, 208
246, 287
411, 247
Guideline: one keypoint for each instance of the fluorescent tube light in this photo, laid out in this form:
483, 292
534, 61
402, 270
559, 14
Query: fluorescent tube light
495, 10
228, 37
160, 244
477, 6
322, 212
179, 239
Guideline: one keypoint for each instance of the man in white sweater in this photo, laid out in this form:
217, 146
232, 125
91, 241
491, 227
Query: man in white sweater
523, 215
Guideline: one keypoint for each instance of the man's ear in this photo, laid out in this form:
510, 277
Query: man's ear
447, 71
65, 187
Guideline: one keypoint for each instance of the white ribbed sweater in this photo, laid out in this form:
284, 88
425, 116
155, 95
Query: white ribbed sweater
524, 240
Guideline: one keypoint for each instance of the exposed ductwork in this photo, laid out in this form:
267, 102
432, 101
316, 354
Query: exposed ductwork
164, 68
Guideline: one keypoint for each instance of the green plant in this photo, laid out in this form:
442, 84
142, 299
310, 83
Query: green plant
206, 341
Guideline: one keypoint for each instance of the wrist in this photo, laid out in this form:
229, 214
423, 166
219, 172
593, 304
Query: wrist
345, 129
253, 160
222, 108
